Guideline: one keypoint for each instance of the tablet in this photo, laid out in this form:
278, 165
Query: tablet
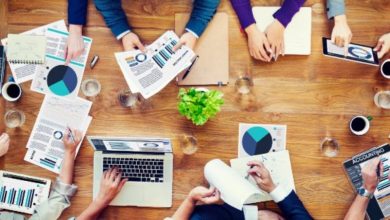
356, 53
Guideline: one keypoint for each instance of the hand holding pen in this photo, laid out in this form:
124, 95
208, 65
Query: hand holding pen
71, 140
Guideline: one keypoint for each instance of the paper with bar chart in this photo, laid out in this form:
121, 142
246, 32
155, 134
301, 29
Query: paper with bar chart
149, 72
22, 193
45, 145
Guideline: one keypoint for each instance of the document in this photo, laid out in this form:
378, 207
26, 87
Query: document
45, 145
279, 166
148, 73
54, 77
26, 72
234, 188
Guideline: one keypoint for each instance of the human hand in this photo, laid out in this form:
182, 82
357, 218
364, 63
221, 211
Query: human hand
75, 44
204, 195
131, 41
269, 215
369, 174
341, 33
275, 36
187, 39
258, 44
110, 185
4, 144
383, 45
71, 143
261, 175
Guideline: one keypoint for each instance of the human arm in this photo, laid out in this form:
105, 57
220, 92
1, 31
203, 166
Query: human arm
110, 185
197, 195
370, 181
77, 18
275, 31
116, 20
4, 144
287, 200
258, 45
383, 45
63, 189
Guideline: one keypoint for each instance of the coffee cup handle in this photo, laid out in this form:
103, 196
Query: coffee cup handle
369, 118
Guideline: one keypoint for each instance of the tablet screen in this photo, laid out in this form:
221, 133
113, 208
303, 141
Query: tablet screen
354, 51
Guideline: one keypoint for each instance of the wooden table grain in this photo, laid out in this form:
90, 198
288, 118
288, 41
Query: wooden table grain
313, 95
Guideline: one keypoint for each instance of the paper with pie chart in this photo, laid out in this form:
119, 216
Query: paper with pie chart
54, 77
254, 139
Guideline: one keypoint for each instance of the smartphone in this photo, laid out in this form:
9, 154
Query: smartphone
356, 52
2, 66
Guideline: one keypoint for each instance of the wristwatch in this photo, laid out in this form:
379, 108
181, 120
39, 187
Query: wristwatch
363, 192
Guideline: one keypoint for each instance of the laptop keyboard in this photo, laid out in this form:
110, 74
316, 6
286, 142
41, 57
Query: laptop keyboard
137, 169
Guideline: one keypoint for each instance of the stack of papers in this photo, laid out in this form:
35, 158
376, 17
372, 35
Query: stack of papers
45, 145
148, 73
48, 79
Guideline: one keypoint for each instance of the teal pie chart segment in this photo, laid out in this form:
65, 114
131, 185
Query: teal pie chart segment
62, 80
257, 140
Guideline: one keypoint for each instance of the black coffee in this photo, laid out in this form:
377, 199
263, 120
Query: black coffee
13, 91
358, 124
386, 68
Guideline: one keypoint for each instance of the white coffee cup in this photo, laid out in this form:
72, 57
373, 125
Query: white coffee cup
387, 73
17, 92
359, 125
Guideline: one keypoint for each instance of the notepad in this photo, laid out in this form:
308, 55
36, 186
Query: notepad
26, 49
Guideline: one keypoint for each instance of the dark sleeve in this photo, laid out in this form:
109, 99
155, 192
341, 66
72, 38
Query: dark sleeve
201, 15
243, 9
288, 10
77, 11
293, 209
113, 15
216, 212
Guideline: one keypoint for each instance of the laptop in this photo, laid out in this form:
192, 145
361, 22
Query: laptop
147, 163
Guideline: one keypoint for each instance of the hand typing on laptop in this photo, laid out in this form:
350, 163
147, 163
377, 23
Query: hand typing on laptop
110, 185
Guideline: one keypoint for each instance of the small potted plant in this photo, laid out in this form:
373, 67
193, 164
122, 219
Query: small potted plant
199, 105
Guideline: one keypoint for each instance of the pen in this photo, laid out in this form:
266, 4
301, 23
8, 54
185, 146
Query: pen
247, 175
71, 135
94, 61
189, 68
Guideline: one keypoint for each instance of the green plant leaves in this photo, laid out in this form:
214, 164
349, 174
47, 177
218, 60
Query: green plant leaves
199, 106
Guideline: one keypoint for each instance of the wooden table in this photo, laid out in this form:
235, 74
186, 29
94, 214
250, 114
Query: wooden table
313, 95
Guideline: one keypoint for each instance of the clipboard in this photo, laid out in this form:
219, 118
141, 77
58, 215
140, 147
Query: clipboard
212, 66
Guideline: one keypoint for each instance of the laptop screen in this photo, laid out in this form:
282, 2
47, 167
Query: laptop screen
131, 145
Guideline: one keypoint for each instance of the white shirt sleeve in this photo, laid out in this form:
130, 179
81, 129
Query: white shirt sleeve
279, 193
193, 33
122, 35
250, 212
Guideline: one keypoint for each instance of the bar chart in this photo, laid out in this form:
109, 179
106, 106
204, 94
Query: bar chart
22, 193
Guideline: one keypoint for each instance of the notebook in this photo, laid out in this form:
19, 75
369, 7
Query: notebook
297, 36
212, 66
27, 49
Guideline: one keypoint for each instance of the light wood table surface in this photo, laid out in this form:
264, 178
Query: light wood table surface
313, 95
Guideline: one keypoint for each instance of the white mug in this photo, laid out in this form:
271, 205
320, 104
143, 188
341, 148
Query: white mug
363, 130
5, 94
387, 62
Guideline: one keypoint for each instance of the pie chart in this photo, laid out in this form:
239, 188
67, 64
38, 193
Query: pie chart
62, 80
257, 140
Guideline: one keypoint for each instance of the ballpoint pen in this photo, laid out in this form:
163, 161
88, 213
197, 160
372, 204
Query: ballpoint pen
71, 135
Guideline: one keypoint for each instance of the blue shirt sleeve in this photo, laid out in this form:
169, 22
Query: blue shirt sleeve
201, 15
113, 15
293, 209
334, 8
77, 12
